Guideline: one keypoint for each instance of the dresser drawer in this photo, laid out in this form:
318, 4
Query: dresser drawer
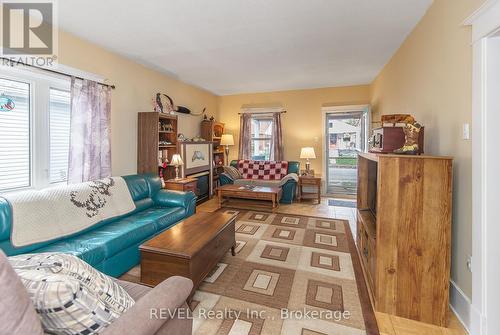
309, 181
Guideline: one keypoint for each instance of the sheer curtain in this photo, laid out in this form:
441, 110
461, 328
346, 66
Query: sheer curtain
90, 146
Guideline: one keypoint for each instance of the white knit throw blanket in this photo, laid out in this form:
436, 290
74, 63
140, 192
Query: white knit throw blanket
40, 216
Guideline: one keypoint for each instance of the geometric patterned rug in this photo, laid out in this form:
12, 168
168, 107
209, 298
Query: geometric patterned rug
292, 275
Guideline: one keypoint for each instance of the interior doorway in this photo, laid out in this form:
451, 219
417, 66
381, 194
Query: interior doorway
345, 136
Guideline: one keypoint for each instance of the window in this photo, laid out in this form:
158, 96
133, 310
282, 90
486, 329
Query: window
34, 129
15, 171
59, 124
261, 128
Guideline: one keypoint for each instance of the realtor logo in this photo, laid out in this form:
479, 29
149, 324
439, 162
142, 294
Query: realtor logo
29, 29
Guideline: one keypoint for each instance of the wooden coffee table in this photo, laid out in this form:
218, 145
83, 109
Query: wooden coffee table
272, 194
190, 249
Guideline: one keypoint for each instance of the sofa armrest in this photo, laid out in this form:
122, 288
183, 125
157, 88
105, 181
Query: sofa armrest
224, 179
167, 198
154, 309
291, 177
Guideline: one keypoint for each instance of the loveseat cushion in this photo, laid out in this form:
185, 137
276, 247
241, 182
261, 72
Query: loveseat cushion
70, 296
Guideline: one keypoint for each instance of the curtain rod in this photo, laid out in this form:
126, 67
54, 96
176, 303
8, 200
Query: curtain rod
56, 72
261, 112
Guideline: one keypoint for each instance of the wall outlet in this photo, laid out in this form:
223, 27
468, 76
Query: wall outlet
469, 263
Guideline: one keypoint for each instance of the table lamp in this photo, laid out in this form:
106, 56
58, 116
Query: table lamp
227, 140
307, 153
176, 161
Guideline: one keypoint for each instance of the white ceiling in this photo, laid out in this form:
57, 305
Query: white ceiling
237, 46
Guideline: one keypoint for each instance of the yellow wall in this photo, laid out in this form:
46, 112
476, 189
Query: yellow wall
136, 85
430, 76
302, 124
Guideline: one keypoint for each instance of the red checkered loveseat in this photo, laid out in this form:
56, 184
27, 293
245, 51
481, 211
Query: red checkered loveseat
282, 174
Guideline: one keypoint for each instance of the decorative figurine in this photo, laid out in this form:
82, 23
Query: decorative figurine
411, 131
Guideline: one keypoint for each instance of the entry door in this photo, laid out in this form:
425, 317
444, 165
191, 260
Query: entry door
345, 137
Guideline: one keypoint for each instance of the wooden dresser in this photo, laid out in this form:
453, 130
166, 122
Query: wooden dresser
404, 233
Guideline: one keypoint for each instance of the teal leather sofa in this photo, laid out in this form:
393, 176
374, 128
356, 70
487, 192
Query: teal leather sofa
112, 245
288, 189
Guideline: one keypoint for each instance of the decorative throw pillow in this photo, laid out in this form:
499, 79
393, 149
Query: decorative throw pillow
232, 172
69, 295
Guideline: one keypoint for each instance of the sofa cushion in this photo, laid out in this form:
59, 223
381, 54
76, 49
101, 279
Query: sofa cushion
136, 291
167, 216
97, 245
17, 314
258, 182
267, 170
79, 246
70, 296
138, 227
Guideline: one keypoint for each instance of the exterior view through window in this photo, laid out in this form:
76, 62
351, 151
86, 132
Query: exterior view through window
262, 126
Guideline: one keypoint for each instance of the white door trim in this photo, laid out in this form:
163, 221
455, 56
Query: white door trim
485, 305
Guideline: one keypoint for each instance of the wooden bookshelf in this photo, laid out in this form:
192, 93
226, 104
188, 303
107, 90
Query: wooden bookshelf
212, 131
156, 134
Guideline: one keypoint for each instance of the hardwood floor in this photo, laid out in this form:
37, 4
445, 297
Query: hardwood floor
388, 324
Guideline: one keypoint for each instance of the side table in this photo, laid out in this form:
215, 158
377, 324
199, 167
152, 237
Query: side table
314, 182
184, 184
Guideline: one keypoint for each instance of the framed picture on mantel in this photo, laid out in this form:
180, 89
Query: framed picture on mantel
197, 157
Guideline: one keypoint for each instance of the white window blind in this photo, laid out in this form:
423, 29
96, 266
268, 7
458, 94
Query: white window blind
59, 128
15, 158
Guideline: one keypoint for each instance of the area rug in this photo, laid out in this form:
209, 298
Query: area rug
292, 275
342, 203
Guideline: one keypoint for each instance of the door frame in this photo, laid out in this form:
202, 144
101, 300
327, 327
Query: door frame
485, 304
342, 109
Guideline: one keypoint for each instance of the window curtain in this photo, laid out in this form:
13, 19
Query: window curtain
245, 146
277, 139
90, 145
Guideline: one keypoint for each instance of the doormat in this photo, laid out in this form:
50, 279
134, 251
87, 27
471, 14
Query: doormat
341, 203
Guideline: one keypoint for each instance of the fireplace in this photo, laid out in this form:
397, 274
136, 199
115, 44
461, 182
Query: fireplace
197, 157
202, 186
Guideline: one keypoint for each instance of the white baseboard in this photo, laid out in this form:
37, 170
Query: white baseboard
461, 305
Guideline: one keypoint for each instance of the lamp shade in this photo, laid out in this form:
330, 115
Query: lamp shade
307, 152
227, 139
176, 160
